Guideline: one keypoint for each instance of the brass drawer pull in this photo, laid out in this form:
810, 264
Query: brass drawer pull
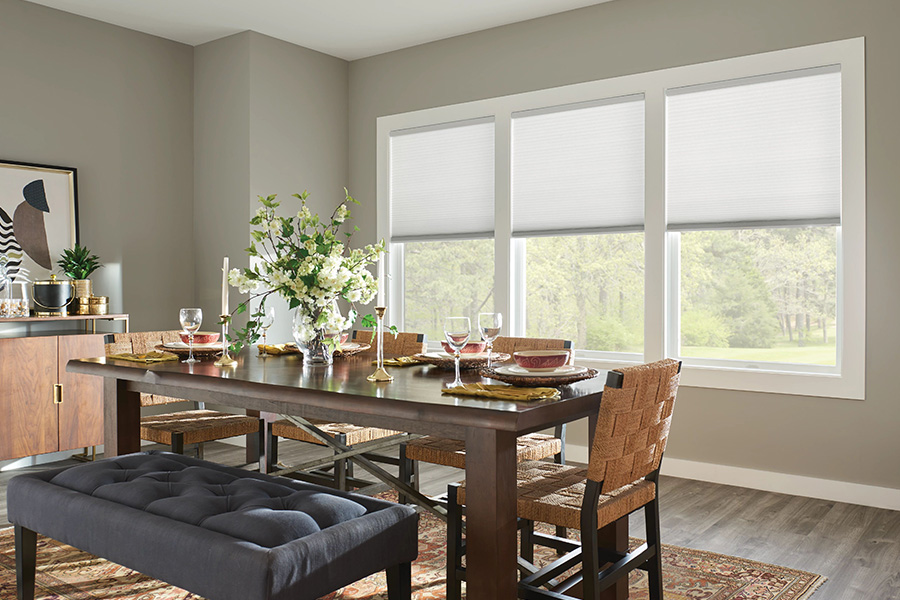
57, 393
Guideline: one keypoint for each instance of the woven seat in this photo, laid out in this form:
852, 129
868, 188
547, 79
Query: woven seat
176, 429
452, 453
196, 426
353, 434
627, 449
348, 434
554, 494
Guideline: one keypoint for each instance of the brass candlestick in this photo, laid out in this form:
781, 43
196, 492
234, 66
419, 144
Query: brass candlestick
225, 360
380, 374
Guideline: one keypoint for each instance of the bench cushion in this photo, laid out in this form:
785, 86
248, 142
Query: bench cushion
220, 532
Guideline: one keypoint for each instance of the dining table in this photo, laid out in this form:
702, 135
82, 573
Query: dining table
413, 402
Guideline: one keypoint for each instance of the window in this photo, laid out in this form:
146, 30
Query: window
713, 212
753, 194
578, 219
442, 222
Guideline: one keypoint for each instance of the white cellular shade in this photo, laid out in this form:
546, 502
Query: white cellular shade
759, 151
579, 169
442, 181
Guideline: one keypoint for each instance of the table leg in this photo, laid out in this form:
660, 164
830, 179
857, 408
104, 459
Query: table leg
490, 515
121, 419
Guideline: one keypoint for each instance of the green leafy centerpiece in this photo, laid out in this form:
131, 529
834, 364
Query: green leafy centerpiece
304, 260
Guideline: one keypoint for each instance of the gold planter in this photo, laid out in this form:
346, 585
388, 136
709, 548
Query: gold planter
83, 288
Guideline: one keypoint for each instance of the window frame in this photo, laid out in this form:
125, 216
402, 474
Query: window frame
848, 380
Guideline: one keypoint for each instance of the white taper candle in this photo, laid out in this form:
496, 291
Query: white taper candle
224, 287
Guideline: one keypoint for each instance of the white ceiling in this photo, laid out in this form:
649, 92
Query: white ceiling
348, 29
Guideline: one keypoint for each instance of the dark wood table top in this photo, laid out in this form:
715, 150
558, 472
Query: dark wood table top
412, 402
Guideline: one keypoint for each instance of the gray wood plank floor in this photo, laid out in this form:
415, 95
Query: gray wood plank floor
856, 547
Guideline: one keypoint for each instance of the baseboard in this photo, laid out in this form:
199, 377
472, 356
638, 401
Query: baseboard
769, 481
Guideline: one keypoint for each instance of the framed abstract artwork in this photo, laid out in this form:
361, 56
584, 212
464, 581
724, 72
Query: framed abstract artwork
38, 217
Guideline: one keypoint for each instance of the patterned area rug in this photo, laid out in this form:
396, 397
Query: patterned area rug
65, 573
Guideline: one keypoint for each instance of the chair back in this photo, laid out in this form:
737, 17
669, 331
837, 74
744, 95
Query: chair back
405, 344
508, 345
140, 342
633, 423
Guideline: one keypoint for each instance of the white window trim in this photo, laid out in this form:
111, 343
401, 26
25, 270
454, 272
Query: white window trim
850, 54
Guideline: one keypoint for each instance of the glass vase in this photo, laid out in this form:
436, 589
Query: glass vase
319, 350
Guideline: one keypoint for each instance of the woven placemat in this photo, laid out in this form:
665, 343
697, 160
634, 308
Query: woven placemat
465, 361
351, 348
536, 380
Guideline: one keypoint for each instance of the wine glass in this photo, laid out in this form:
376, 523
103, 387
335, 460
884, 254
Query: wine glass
265, 322
490, 324
190, 319
456, 332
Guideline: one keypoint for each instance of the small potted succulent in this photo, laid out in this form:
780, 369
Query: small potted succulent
78, 264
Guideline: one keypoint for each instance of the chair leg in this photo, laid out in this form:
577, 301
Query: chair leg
590, 562
405, 471
200, 450
654, 572
526, 546
454, 543
399, 581
340, 466
26, 562
269, 453
178, 443
560, 459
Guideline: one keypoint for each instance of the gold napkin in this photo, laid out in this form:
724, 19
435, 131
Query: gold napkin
278, 349
503, 392
400, 361
148, 357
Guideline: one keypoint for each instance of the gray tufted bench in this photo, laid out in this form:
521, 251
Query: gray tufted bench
220, 532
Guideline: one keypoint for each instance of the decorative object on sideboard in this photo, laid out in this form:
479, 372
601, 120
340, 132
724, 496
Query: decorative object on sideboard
78, 263
38, 216
99, 305
52, 297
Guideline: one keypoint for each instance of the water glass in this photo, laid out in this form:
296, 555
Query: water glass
490, 324
266, 321
190, 319
456, 332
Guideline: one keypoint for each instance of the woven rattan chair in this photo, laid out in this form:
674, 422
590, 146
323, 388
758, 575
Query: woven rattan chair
182, 428
452, 453
626, 453
403, 344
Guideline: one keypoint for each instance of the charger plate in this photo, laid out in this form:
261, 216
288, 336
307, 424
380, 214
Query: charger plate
538, 379
351, 348
200, 350
466, 361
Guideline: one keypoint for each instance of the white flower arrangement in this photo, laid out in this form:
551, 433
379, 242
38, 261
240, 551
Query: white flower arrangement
304, 261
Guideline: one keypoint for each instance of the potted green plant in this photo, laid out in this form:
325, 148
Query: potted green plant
78, 264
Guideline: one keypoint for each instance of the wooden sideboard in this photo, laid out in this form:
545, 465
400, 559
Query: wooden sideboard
43, 408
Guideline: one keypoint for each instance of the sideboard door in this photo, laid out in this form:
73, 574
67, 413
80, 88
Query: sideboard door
28, 416
81, 412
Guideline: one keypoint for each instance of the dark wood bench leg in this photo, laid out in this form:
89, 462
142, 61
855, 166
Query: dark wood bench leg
26, 562
399, 581
341, 470
405, 471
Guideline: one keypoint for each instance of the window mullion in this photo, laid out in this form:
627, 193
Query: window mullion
655, 289
503, 272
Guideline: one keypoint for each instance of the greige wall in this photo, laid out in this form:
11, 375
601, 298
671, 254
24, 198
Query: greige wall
298, 135
270, 118
825, 438
221, 165
116, 105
